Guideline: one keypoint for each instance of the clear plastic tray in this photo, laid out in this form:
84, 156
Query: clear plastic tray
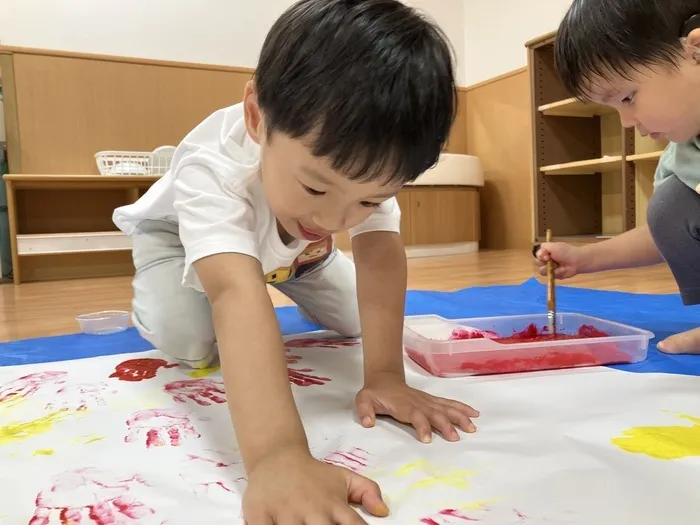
103, 323
427, 342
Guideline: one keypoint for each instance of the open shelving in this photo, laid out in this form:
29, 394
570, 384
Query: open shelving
592, 177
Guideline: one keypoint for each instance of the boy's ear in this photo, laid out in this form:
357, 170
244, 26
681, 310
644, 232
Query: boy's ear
693, 43
251, 111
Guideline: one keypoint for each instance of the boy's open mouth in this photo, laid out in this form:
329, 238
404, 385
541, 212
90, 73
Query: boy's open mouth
312, 235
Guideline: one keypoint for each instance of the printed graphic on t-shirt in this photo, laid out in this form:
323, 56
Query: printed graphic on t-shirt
314, 254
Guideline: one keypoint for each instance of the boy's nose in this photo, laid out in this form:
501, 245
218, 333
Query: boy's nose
627, 119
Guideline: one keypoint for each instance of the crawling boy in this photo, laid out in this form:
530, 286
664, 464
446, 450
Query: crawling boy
351, 100
643, 58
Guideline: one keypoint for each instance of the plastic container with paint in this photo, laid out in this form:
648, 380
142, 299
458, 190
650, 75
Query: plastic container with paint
102, 323
429, 341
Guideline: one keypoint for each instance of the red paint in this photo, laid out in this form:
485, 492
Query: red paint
204, 392
456, 514
443, 517
511, 360
319, 342
520, 514
156, 424
301, 376
355, 459
106, 497
466, 333
27, 386
139, 369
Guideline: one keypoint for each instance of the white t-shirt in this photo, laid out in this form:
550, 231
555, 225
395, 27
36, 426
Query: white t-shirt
214, 193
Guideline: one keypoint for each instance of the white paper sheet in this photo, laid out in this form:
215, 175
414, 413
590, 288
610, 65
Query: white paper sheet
82, 447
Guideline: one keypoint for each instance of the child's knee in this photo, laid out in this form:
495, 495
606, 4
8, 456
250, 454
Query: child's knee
190, 341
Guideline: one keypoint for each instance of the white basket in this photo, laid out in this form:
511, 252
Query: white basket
135, 162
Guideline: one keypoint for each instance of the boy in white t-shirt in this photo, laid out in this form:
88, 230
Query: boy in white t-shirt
351, 100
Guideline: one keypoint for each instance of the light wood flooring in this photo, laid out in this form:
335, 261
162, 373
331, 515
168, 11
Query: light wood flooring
49, 308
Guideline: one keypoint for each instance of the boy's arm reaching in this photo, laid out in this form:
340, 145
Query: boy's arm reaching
380, 260
252, 357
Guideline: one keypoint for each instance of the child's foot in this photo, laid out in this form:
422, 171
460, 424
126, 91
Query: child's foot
683, 343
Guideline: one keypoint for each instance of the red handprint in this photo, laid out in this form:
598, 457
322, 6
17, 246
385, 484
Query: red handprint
201, 391
209, 474
79, 397
140, 369
158, 423
320, 342
91, 495
301, 376
26, 386
354, 459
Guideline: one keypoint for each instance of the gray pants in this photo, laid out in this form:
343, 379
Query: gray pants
674, 221
178, 320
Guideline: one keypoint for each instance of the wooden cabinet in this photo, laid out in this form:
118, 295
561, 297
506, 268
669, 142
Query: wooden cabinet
441, 215
435, 215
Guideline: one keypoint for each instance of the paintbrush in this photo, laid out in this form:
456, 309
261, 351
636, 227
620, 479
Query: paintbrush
551, 293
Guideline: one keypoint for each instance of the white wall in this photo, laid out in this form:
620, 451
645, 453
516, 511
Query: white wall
226, 32
496, 32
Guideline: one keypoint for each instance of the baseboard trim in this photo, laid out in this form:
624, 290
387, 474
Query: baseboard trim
441, 250
435, 250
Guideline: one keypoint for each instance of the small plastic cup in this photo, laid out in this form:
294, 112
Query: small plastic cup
103, 323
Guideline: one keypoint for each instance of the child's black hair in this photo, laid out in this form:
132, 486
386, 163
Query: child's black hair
600, 38
369, 83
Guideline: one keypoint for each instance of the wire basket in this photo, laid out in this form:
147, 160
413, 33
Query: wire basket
135, 162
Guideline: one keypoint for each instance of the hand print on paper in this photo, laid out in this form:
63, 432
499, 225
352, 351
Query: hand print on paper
26, 386
301, 376
160, 427
320, 342
92, 496
214, 478
354, 459
204, 392
140, 369
80, 397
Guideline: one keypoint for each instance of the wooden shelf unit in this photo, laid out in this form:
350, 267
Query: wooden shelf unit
79, 235
587, 168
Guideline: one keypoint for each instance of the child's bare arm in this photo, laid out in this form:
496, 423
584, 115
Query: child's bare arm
380, 258
252, 356
285, 483
631, 249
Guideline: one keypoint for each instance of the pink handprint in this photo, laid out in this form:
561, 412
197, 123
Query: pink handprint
26, 386
79, 397
320, 342
201, 391
91, 495
354, 459
301, 376
156, 424
206, 475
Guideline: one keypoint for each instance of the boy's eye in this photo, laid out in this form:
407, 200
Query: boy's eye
313, 191
628, 99
367, 204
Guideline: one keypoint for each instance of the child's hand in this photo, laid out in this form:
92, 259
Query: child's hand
569, 260
293, 488
391, 396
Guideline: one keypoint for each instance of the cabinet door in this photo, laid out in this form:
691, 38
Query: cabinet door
444, 215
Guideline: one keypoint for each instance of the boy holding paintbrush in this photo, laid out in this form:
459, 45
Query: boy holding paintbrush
642, 57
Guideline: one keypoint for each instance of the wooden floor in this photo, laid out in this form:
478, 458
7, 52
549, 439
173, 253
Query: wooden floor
41, 309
